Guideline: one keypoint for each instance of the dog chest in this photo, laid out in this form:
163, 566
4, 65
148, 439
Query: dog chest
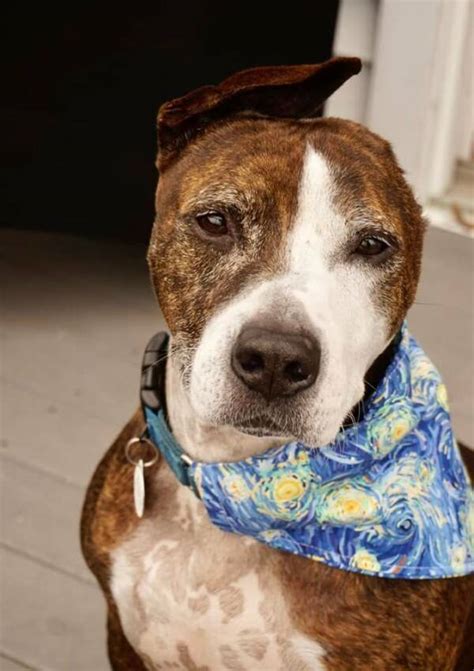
191, 596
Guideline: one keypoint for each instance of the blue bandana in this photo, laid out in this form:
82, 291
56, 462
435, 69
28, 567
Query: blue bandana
389, 497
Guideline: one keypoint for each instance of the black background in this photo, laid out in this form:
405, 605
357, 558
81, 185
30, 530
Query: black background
84, 85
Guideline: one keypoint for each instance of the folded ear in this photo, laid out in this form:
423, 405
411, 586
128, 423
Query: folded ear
287, 91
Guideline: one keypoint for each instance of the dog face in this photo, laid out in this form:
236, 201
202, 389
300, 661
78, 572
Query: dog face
285, 255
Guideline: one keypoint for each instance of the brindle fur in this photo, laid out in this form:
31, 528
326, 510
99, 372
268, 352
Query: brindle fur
361, 622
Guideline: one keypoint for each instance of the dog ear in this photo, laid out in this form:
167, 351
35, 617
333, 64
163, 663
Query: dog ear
288, 91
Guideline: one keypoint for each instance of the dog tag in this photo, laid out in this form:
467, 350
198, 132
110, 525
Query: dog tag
139, 488
144, 445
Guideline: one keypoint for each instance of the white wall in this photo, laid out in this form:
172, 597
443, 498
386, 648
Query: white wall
464, 132
355, 36
400, 107
452, 118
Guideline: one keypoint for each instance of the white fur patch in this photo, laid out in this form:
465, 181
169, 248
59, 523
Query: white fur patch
179, 607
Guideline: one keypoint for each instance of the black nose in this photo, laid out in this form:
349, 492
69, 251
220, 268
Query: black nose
275, 364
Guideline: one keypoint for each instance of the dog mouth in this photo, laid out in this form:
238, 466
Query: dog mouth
261, 432
262, 427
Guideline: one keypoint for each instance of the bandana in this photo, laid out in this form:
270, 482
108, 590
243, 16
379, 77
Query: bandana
389, 497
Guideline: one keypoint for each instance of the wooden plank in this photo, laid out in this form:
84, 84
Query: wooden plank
98, 296
442, 320
54, 621
53, 436
70, 369
7, 664
40, 517
63, 373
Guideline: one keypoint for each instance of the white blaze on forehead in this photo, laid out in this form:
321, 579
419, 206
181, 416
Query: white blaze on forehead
325, 276
318, 232
317, 225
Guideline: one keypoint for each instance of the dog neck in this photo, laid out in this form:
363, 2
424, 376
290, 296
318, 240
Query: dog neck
204, 442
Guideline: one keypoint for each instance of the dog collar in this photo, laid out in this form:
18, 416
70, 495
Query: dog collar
152, 394
388, 497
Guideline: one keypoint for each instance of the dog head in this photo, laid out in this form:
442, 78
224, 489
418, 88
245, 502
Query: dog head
285, 253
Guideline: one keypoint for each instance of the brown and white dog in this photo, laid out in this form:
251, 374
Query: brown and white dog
296, 239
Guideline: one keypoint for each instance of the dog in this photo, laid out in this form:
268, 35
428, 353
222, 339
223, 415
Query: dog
285, 255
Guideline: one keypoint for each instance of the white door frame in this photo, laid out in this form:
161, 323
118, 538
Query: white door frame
411, 88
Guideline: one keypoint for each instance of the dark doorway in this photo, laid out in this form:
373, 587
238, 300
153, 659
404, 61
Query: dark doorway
85, 85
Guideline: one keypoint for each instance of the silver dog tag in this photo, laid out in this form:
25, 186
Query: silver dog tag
133, 446
139, 488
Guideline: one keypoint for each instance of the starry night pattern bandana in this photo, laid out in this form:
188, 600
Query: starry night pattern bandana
388, 497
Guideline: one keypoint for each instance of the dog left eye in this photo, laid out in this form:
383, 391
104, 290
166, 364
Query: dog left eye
213, 223
372, 246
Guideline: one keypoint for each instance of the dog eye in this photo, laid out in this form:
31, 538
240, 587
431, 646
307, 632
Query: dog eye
372, 246
213, 223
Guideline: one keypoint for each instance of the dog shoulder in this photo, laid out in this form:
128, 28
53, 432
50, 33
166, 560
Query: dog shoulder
108, 514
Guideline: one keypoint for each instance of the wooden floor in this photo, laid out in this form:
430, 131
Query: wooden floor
75, 318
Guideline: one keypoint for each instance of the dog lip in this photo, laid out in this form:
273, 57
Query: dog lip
260, 426
260, 432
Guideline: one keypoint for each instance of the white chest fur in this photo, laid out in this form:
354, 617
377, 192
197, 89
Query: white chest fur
193, 597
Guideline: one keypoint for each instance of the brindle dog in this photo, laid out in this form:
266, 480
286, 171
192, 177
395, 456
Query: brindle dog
304, 230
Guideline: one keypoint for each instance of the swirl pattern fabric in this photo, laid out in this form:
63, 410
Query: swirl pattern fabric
389, 497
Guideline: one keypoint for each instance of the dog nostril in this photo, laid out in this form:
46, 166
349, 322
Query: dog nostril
251, 362
295, 371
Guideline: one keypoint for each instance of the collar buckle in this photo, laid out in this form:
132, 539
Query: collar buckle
152, 384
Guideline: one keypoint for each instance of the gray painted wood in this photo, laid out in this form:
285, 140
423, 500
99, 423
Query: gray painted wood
54, 436
443, 320
40, 516
12, 665
49, 620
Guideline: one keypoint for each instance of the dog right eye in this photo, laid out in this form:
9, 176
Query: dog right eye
213, 223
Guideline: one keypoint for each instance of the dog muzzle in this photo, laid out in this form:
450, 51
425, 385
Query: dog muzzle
389, 497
